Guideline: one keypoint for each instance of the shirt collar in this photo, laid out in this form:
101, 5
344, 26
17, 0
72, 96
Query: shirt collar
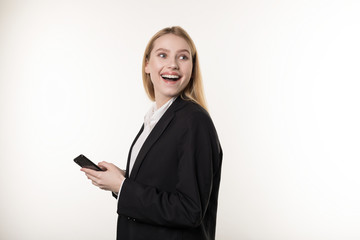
154, 114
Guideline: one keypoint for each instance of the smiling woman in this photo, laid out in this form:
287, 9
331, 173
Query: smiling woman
170, 187
187, 52
169, 66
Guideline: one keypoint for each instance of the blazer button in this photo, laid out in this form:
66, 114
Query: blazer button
129, 218
134, 220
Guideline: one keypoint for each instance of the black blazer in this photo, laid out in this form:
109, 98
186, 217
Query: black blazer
172, 191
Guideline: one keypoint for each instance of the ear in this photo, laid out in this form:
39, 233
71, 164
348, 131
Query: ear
147, 70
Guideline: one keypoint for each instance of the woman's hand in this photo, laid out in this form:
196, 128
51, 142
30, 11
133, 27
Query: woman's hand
110, 179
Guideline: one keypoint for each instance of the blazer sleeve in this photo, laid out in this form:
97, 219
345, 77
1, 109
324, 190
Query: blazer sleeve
199, 155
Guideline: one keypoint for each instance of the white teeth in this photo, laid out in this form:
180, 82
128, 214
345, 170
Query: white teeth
170, 76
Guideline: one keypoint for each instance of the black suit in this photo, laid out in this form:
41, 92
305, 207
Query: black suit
172, 191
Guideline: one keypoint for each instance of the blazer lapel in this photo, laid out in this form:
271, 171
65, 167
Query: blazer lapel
155, 134
129, 155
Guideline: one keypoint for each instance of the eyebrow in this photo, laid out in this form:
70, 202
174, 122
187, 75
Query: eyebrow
166, 50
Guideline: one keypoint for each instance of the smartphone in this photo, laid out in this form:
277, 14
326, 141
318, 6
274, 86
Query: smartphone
86, 163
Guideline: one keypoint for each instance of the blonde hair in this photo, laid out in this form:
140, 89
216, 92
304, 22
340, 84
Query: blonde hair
194, 90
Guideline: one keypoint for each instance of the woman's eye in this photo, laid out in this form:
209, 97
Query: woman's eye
184, 57
162, 55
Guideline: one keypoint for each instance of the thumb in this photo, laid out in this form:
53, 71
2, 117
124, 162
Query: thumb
104, 165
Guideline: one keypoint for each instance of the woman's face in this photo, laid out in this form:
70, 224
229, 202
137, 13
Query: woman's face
170, 67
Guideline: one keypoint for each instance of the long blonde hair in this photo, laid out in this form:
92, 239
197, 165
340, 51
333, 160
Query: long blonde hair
194, 91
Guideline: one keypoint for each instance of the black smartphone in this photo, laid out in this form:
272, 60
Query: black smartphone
86, 163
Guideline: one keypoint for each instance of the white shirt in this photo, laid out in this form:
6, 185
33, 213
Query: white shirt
150, 120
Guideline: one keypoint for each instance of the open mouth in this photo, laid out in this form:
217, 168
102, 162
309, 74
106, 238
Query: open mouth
173, 78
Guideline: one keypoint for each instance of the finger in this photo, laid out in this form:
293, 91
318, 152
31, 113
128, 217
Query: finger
95, 184
88, 175
89, 171
102, 167
92, 178
105, 165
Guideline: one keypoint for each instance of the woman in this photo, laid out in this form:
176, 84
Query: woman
170, 187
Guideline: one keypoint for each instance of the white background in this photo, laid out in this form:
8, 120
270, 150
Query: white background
282, 83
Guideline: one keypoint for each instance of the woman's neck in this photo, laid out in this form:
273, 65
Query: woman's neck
161, 101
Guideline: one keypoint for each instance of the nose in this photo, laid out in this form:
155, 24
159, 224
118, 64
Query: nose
173, 64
